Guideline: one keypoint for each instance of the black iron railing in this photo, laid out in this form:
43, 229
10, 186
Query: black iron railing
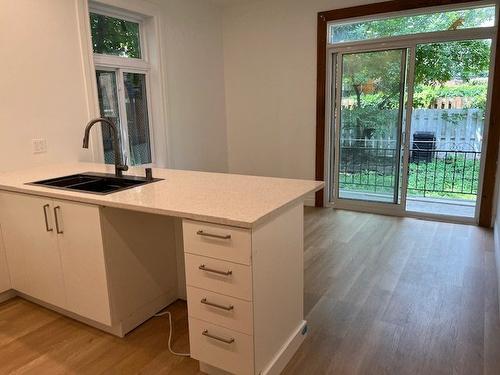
370, 169
437, 173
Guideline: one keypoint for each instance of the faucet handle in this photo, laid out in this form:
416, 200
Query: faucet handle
124, 166
149, 174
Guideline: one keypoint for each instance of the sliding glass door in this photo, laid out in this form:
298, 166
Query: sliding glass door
407, 132
367, 117
447, 127
408, 100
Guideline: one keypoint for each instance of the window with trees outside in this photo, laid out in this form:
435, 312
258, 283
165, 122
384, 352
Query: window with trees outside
122, 73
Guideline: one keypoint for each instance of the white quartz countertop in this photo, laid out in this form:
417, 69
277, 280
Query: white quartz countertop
229, 199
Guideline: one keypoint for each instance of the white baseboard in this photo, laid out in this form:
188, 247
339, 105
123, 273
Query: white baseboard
138, 317
279, 362
114, 330
119, 328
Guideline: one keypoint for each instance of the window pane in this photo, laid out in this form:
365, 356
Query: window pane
442, 21
113, 36
137, 118
369, 125
108, 104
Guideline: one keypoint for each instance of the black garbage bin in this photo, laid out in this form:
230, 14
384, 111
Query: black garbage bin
424, 144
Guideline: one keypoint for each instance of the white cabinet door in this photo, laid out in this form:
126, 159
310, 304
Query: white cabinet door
4, 270
82, 255
31, 245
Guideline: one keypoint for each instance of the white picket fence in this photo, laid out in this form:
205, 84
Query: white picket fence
454, 129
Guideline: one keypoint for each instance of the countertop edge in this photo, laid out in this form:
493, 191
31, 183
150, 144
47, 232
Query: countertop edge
94, 200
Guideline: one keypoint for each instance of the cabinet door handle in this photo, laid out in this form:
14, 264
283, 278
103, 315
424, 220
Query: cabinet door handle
49, 229
222, 307
220, 236
56, 209
218, 338
224, 273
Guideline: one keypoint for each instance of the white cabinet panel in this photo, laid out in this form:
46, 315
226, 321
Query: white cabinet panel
82, 256
4, 271
31, 245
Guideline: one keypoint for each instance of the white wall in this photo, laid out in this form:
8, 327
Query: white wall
43, 93
4, 270
195, 76
270, 77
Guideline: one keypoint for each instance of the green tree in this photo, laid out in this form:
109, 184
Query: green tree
440, 62
373, 79
114, 36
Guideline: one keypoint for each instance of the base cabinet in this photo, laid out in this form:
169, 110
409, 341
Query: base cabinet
30, 241
114, 269
82, 258
55, 253
245, 294
110, 268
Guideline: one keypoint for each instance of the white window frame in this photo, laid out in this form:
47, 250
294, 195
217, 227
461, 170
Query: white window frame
441, 34
150, 64
120, 65
141, 63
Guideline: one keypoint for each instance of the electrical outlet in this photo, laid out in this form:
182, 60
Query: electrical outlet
39, 146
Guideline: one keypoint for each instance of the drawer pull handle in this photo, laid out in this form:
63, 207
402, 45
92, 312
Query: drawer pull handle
224, 273
227, 341
221, 236
227, 308
49, 229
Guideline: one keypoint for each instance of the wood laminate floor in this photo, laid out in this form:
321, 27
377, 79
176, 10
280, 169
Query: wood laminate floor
383, 295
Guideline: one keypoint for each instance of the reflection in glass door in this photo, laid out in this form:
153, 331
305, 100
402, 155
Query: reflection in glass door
447, 127
369, 104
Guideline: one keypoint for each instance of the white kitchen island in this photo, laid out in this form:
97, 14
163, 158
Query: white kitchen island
232, 245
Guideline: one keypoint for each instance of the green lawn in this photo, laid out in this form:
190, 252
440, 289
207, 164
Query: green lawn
441, 178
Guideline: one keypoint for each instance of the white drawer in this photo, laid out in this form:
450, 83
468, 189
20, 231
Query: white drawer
236, 282
234, 356
229, 312
217, 241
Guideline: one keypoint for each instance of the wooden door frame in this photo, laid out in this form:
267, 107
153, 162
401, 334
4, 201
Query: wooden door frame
492, 144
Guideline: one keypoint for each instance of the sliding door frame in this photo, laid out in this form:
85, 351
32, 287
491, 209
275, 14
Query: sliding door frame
396, 206
491, 140
408, 43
